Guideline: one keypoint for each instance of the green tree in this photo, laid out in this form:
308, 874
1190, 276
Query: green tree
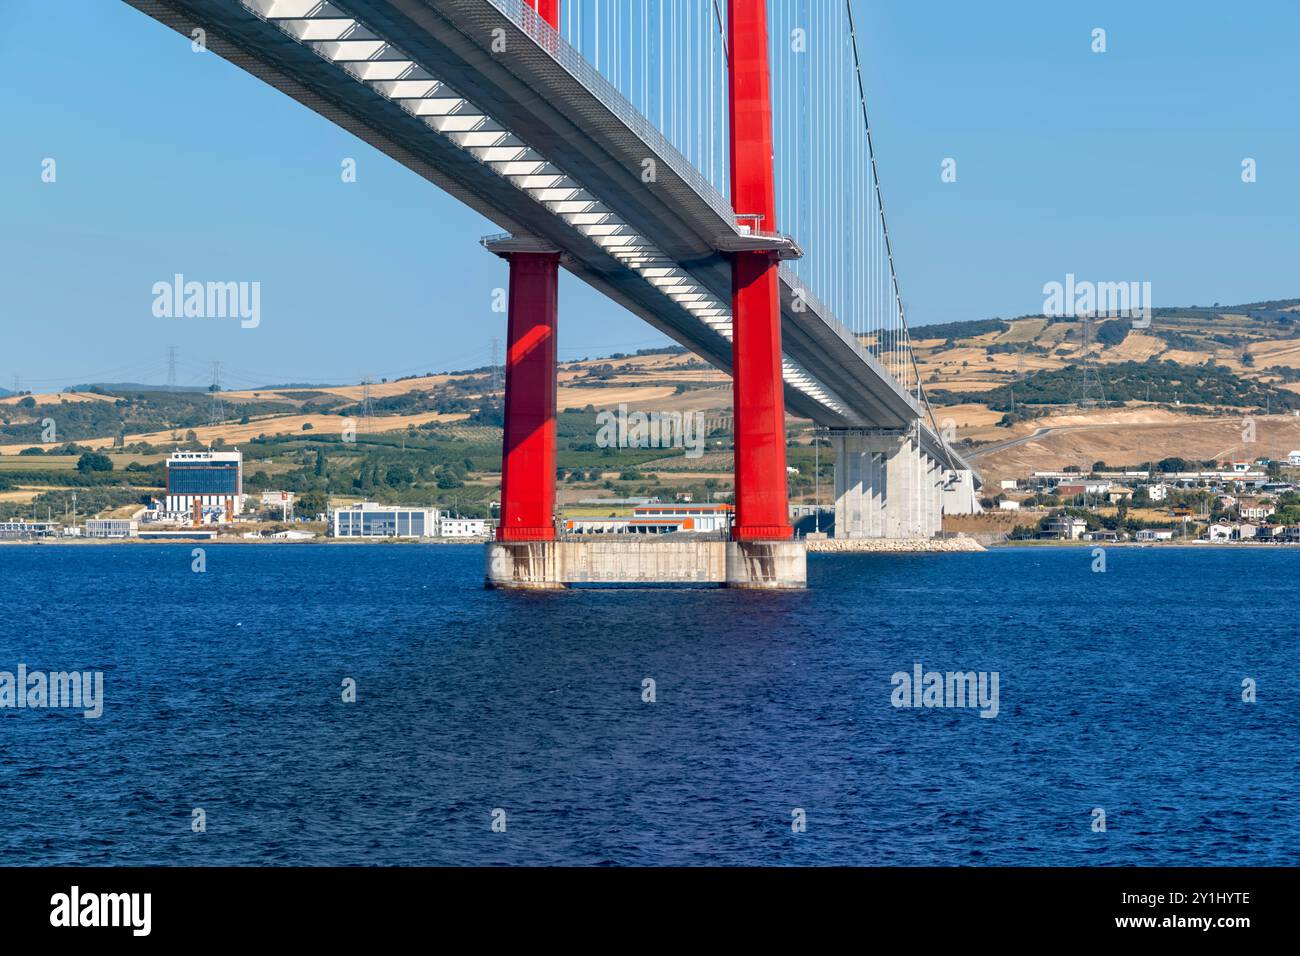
94, 461
311, 503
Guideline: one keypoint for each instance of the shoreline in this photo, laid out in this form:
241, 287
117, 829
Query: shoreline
815, 546
962, 545
1199, 545
227, 539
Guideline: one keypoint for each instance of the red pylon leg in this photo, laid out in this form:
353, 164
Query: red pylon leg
528, 456
762, 503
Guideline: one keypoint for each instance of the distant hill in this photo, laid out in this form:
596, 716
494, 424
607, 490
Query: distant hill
959, 330
122, 387
293, 385
1232, 356
1195, 359
1165, 383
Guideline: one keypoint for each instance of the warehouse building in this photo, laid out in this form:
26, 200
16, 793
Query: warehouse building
369, 520
111, 528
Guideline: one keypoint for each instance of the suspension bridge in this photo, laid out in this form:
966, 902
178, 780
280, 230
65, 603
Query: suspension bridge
706, 164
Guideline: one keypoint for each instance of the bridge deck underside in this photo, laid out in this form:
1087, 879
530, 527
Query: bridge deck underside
560, 111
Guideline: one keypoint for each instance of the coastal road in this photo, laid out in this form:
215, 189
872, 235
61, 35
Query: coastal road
1013, 442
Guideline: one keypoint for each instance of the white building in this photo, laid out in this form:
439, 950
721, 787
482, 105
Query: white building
111, 528
1154, 534
1007, 505
1220, 532
1158, 492
462, 528
659, 519
1065, 527
1293, 458
1255, 509
205, 486
19, 528
370, 520
281, 501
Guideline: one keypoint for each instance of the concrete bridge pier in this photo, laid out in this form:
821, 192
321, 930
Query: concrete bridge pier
886, 486
932, 497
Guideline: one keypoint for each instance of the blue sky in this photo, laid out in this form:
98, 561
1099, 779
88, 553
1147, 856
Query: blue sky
1115, 166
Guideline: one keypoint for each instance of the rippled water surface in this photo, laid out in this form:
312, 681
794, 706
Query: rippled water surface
1120, 690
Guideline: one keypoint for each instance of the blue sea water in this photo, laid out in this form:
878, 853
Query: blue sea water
1120, 690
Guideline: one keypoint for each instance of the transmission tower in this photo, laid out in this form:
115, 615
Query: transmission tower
217, 413
171, 368
1088, 390
1019, 376
366, 409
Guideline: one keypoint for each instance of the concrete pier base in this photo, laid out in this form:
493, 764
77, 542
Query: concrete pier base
553, 565
767, 565
524, 565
